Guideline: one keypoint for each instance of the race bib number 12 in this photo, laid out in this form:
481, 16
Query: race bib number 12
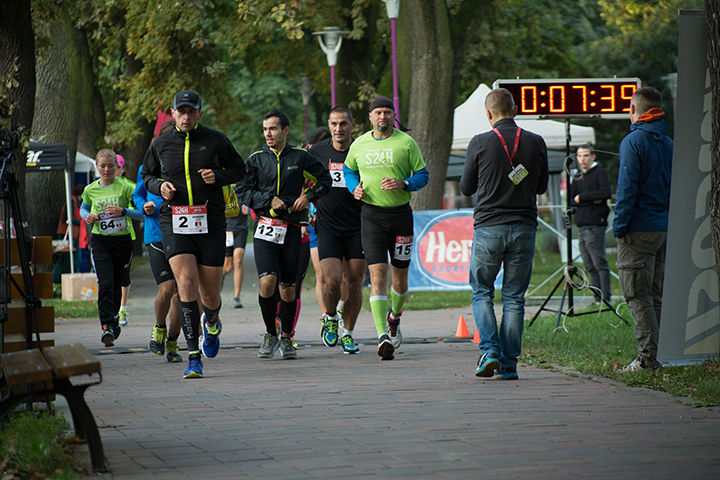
271, 230
403, 248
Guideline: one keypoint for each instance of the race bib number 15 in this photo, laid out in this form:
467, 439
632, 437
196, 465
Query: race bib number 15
403, 248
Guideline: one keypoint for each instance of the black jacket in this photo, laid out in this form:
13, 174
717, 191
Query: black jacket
271, 175
165, 160
486, 171
593, 186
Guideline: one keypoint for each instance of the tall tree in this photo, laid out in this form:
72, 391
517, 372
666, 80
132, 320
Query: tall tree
17, 76
437, 32
712, 15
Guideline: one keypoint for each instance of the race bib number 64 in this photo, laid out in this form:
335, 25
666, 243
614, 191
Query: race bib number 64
403, 248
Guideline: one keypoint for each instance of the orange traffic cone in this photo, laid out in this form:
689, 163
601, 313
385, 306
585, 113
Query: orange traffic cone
476, 337
462, 331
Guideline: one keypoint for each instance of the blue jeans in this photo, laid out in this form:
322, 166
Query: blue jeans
513, 245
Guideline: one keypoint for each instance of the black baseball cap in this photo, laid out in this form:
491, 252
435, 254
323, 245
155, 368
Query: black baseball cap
189, 98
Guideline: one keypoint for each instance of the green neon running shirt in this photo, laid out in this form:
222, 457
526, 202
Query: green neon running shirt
118, 194
397, 156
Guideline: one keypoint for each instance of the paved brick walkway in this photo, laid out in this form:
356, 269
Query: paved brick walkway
421, 416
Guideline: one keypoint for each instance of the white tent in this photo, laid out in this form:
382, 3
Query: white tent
470, 120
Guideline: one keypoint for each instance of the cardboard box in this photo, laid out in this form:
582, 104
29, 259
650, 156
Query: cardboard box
79, 286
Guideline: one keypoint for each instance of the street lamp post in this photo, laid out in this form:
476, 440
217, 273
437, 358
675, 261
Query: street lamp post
393, 9
330, 42
306, 91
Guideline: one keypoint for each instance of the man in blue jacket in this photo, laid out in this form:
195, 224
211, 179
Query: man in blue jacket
641, 219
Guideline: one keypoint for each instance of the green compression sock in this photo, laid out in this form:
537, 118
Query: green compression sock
378, 306
398, 300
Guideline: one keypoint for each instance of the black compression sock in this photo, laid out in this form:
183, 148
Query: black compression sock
268, 307
190, 318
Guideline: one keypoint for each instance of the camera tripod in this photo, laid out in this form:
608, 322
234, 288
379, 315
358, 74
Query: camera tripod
569, 270
12, 216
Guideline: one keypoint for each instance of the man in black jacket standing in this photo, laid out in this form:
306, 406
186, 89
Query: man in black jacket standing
505, 168
274, 188
589, 195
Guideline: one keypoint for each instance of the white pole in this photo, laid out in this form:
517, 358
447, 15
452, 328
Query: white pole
69, 209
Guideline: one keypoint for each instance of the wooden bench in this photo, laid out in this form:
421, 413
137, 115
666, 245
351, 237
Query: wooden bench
37, 374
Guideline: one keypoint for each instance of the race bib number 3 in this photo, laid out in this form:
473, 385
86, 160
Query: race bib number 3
109, 224
189, 219
336, 172
403, 248
271, 230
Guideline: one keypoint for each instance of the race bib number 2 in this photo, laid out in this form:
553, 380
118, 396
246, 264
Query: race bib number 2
271, 230
403, 248
109, 224
189, 219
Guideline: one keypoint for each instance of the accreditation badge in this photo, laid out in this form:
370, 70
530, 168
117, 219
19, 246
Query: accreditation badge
518, 174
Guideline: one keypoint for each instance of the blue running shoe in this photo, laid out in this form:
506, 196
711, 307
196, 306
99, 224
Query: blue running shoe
507, 373
348, 346
194, 369
487, 364
329, 331
210, 344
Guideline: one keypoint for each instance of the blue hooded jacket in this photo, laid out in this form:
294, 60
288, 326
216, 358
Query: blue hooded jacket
643, 195
152, 222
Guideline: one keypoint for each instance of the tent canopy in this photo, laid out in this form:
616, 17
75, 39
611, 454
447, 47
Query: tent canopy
470, 119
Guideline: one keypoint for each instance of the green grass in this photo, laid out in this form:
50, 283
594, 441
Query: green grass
601, 345
33, 445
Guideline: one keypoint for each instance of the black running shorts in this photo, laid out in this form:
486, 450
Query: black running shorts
281, 260
208, 248
158, 263
348, 247
239, 241
387, 230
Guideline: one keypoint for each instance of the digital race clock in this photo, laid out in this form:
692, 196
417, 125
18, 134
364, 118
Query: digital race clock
572, 97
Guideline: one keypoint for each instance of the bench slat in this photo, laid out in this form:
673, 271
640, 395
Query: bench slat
16, 319
70, 360
25, 367
18, 345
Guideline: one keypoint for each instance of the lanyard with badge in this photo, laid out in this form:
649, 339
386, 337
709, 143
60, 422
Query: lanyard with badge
518, 173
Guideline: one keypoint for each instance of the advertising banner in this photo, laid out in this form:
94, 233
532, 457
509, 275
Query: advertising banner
690, 323
441, 250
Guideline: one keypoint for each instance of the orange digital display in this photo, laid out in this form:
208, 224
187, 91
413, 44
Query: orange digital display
600, 97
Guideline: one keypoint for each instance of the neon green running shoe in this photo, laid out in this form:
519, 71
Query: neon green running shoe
157, 341
348, 345
171, 347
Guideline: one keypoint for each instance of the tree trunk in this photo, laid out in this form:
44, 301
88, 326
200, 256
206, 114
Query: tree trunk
426, 24
57, 115
92, 111
437, 38
712, 13
17, 78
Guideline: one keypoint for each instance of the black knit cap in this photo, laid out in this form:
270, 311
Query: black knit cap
382, 102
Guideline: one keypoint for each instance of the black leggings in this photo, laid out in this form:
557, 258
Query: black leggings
111, 256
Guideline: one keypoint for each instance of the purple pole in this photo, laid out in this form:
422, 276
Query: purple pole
396, 92
332, 86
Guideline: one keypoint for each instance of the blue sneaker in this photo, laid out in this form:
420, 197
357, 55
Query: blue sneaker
329, 331
194, 369
507, 373
348, 346
210, 344
487, 364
